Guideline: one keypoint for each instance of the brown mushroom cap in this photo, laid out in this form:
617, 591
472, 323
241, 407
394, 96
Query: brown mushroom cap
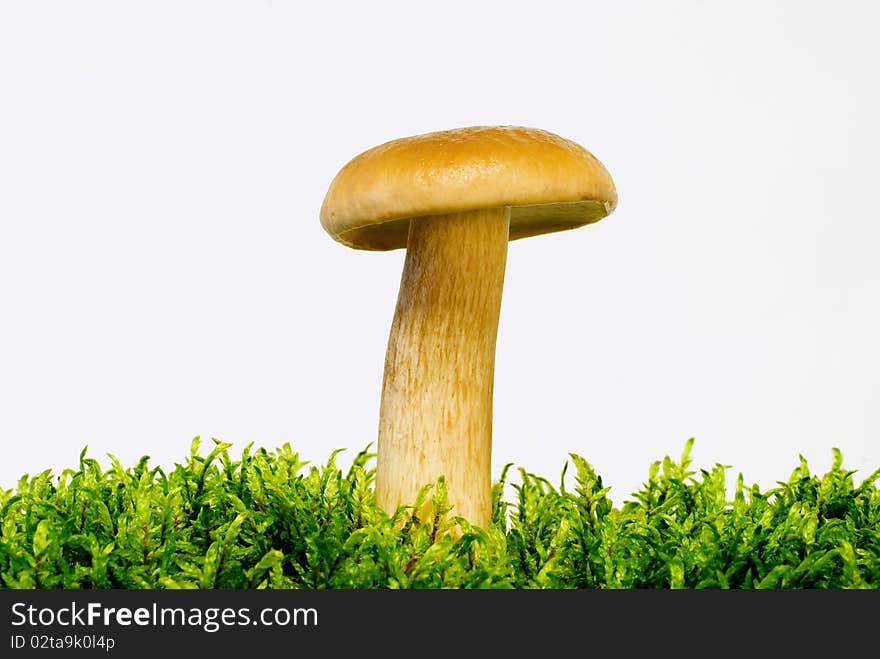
550, 184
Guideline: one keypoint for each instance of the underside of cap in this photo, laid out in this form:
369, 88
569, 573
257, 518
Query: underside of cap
550, 184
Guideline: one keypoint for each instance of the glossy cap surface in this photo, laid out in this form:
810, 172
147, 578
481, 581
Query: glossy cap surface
550, 184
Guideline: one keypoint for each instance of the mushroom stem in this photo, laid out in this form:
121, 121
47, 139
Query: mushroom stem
436, 411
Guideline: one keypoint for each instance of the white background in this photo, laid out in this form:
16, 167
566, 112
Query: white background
163, 273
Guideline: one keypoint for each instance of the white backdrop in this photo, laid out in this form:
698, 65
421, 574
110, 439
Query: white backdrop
163, 273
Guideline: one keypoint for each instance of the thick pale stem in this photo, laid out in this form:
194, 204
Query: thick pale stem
436, 411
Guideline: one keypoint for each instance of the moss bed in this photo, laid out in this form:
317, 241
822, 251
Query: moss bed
267, 519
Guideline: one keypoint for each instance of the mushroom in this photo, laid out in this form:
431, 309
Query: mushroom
453, 199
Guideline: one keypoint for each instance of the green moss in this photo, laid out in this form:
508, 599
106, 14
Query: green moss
269, 520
